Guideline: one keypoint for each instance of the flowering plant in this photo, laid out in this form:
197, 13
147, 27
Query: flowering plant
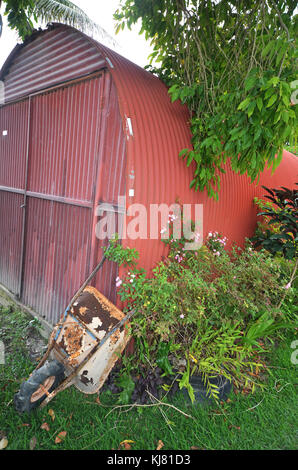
194, 311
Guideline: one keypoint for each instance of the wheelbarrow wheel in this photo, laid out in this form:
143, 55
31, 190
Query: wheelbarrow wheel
42, 382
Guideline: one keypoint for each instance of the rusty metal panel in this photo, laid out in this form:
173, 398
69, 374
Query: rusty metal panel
64, 145
56, 255
11, 218
47, 58
62, 170
13, 143
111, 180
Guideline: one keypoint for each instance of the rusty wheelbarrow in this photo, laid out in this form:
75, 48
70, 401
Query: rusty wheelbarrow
83, 348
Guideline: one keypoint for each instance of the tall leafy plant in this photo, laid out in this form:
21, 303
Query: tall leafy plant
284, 214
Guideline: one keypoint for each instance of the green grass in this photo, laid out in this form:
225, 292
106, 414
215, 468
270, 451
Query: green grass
264, 420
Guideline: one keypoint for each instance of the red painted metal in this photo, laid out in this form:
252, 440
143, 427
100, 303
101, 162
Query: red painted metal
10, 239
91, 141
13, 119
48, 58
160, 131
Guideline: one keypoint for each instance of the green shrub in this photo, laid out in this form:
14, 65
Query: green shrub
206, 311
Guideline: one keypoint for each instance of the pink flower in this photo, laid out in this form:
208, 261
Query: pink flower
118, 281
181, 316
288, 286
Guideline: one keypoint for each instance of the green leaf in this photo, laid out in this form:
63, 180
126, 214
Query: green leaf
250, 82
272, 100
251, 108
243, 105
162, 359
125, 381
285, 116
259, 103
268, 48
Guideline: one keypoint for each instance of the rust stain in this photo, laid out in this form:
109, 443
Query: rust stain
96, 312
105, 303
115, 337
83, 310
84, 379
73, 339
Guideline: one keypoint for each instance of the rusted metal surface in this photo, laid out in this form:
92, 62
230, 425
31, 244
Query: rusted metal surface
89, 340
90, 319
100, 317
10, 239
50, 57
75, 341
96, 312
13, 144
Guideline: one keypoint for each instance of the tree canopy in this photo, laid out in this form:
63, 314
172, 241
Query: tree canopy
234, 63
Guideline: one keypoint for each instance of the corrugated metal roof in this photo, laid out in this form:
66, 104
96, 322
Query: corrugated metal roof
68, 56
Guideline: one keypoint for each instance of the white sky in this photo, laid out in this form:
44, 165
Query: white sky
129, 43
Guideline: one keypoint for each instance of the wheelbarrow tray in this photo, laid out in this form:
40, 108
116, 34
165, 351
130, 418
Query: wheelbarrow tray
79, 340
82, 350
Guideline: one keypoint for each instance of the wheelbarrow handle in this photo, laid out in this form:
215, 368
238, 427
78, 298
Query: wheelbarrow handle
95, 270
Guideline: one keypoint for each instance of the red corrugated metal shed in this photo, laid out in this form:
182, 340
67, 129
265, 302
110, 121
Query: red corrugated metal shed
85, 126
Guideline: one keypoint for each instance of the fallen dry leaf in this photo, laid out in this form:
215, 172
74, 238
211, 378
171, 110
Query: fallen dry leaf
159, 445
45, 426
194, 448
32, 443
3, 443
52, 414
60, 437
126, 444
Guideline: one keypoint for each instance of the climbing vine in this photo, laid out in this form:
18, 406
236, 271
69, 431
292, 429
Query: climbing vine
234, 63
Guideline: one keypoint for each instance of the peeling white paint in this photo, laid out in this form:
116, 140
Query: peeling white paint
96, 322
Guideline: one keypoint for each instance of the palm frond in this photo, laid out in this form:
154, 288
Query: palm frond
67, 12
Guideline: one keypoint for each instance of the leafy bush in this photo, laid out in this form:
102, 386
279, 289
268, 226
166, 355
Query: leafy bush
280, 232
205, 311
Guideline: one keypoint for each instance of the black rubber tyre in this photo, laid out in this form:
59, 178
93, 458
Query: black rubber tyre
32, 392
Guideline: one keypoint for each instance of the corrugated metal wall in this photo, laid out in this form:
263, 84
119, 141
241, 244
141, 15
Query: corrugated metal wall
160, 131
13, 147
64, 153
61, 181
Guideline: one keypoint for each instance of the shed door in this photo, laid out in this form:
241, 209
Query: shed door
13, 148
62, 168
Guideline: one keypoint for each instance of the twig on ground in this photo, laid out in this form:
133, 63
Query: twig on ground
137, 405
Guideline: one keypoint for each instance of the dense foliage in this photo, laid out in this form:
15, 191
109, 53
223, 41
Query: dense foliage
279, 231
234, 63
206, 311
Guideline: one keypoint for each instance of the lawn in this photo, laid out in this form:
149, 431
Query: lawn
266, 419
